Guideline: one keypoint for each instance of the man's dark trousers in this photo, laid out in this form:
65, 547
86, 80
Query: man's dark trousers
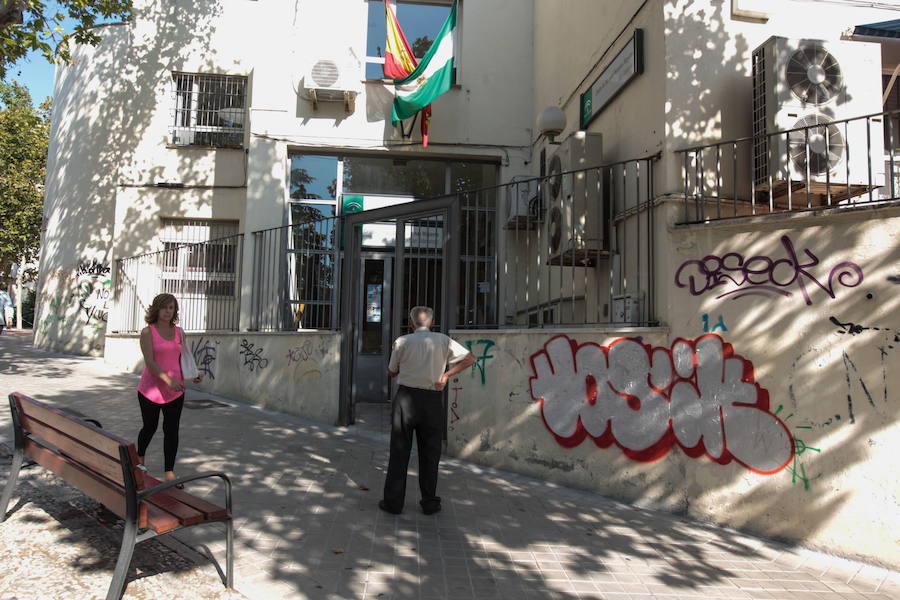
420, 411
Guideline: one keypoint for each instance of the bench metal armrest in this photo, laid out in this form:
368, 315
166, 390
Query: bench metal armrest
143, 495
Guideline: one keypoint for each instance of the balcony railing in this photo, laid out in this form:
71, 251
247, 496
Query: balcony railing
823, 164
204, 277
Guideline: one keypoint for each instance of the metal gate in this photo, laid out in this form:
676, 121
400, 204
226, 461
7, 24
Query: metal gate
395, 258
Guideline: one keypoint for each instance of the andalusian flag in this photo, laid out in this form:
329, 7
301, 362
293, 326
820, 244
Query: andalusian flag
432, 76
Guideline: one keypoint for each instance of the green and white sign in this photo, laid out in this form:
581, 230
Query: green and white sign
352, 204
628, 64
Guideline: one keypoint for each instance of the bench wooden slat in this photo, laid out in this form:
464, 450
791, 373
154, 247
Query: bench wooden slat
185, 514
99, 488
160, 520
107, 466
70, 425
211, 511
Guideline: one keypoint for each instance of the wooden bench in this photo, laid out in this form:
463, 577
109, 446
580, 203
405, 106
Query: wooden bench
104, 466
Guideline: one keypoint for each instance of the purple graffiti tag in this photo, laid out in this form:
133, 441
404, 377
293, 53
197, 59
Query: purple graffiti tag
734, 276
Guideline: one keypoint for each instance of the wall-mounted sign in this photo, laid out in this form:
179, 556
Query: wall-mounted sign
628, 64
351, 204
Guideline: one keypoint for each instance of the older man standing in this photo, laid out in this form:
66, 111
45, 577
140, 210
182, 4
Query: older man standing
419, 362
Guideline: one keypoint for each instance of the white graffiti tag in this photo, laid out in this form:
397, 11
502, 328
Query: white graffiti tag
698, 395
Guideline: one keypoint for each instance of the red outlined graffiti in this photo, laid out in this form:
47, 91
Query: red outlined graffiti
698, 395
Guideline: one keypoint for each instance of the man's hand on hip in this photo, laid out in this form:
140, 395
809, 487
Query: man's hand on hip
442, 382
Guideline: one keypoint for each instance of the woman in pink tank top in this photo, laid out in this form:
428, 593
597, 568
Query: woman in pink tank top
161, 389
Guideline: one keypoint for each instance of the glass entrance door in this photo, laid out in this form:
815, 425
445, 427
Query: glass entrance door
373, 343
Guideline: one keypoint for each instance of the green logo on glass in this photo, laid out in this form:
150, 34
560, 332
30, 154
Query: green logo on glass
351, 204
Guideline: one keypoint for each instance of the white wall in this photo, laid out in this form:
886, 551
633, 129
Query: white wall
296, 373
117, 133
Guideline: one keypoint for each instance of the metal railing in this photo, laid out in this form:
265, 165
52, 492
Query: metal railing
295, 275
204, 277
577, 250
579, 247
823, 163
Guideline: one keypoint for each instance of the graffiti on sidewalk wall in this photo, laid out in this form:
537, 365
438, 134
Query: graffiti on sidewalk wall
480, 365
698, 395
205, 352
299, 353
94, 295
253, 358
733, 275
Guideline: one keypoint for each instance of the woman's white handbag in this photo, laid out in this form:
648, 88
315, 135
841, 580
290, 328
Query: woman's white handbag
188, 364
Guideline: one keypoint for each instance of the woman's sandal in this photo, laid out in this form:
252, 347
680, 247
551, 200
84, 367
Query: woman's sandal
179, 486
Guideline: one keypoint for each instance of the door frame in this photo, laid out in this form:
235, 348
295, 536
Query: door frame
349, 300
387, 320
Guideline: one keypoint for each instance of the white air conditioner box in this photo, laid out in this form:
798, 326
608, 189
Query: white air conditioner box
522, 202
576, 210
332, 80
798, 83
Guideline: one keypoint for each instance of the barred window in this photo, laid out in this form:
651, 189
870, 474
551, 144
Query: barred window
208, 110
208, 265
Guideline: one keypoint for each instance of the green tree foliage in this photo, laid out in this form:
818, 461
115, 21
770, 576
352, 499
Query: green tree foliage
27, 25
24, 136
421, 46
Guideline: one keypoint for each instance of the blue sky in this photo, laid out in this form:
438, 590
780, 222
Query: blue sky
34, 71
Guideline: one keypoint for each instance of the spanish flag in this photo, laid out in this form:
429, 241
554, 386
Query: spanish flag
417, 85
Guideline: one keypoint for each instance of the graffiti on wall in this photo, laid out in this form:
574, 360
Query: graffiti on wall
299, 353
93, 299
56, 313
797, 468
717, 326
205, 352
698, 395
454, 404
733, 275
481, 359
885, 341
94, 268
253, 358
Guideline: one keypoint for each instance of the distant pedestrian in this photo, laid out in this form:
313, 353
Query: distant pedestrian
161, 389
419, 362
6, 310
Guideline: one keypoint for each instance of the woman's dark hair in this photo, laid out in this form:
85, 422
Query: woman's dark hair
161, 301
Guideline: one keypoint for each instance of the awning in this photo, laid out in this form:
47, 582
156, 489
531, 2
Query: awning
885, 29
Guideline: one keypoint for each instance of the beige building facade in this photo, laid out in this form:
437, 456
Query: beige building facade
717, 341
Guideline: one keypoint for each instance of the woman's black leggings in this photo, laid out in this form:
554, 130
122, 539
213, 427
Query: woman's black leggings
171, 419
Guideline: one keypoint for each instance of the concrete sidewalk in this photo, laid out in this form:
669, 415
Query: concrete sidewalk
308, 525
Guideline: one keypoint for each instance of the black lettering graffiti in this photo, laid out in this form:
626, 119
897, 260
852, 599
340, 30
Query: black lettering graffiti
205, 356
94, 268
252, 356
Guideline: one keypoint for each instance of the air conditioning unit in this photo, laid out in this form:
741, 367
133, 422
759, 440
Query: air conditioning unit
332, 80
576, 213
523, 202
803, 83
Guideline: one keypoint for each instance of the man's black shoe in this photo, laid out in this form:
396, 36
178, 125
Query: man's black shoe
430, 510
383, 506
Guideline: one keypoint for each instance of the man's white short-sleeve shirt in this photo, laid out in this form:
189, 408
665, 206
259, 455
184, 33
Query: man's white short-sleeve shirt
422, 357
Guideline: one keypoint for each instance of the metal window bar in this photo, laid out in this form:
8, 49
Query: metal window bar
208, 110
204, 277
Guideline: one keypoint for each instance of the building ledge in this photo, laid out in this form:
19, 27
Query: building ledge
889, 208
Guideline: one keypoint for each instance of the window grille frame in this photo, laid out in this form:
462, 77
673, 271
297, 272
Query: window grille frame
194, 109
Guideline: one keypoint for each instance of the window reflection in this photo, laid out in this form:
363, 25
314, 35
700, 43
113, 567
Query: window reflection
313, 177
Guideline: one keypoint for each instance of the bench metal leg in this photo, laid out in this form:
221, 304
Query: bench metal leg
229, 554
10, 483
128, 541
